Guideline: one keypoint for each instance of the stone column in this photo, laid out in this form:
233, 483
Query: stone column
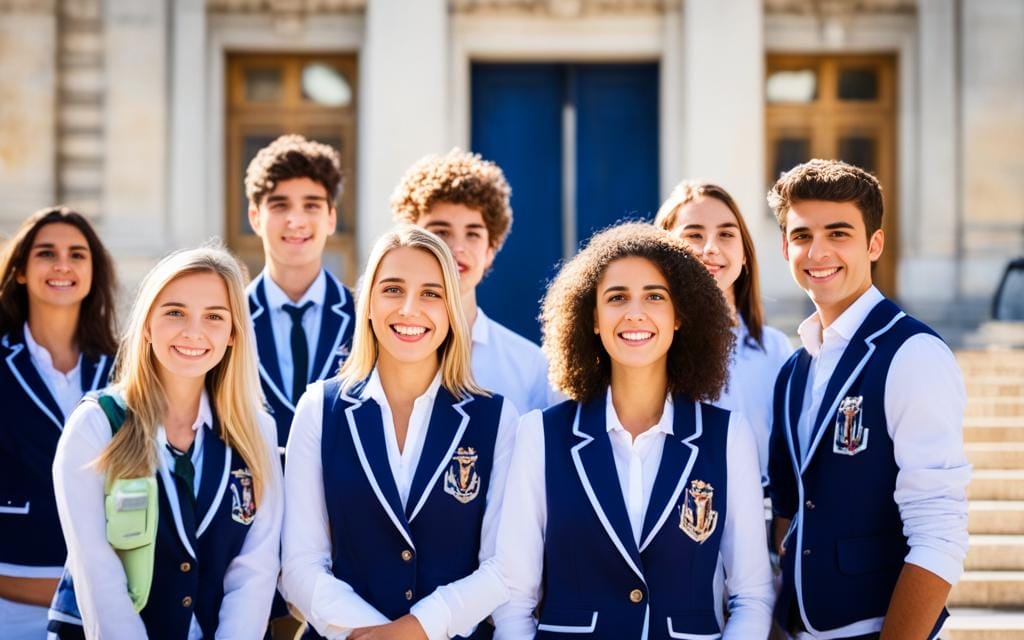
403, 102
28, 98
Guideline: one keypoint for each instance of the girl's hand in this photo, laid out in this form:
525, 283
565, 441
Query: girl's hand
405, 628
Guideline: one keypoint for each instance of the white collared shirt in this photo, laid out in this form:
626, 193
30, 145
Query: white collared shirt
281, 322
524, 520
99, 577
330, 605
66, 388
508, 364
924, 409
751, 387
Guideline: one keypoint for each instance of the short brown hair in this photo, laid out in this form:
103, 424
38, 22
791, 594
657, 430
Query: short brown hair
830, 180
458, 177
698, 360
292, 156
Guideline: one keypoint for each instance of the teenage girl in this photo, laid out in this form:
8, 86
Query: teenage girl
56, 344
186, 376
395, 467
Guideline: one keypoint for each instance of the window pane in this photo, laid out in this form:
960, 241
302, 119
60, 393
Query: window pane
799, 85
790, 152
262, 85
859, 151
325, 85
858, 84
251, 144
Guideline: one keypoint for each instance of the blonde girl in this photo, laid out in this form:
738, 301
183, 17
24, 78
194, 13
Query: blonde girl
186, 377
395, 467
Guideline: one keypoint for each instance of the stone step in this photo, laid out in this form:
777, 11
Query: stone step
996, 484
1000, 406
989, 589
996, 517
995, 455
995, 553
984, 624
993, 430
981, 386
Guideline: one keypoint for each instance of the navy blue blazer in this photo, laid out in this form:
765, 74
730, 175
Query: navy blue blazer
336, 328
31, 543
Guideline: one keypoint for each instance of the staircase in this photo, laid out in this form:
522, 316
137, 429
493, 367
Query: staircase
988, 603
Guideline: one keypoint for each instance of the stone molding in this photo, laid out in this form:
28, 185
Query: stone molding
564, 8
839, 9
285, 8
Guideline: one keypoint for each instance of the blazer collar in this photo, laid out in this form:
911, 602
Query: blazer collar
19, 361
334, 329
448, 423
264, 329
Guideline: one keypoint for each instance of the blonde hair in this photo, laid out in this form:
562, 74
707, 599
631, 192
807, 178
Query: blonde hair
232, 383
456, 375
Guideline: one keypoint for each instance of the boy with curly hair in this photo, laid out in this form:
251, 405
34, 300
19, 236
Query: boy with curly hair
464, 199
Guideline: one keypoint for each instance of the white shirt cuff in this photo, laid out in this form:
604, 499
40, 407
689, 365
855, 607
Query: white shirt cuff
941, 564
433, 615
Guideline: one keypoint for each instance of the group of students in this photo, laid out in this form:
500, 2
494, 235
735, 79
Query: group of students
442, 476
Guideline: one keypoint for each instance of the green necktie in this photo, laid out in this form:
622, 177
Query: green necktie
184, 470
300, 349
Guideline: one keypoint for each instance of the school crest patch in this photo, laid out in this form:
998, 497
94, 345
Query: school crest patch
461, 480
697, 518
850, 436
243, 507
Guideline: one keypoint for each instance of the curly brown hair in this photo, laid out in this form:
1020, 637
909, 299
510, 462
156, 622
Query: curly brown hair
698, 360
458, 177
293, 156
831, 180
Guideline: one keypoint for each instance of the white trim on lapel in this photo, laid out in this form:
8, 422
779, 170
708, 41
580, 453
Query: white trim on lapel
15, 350
102, 362
694, 449
448, 457
217, 497
367, 471
822, 427
253, 294
338, 310
589, 489
277, 391
172, 499
794, 458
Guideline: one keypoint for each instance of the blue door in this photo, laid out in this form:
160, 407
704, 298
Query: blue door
579, 146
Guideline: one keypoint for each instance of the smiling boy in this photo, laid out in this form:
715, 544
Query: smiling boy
867, 462
464, 199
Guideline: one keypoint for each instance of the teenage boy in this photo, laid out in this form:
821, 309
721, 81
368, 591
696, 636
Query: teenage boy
301, 313
867, 461
464, 199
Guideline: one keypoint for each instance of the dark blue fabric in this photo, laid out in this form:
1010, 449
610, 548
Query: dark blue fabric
30, 533
850, 544
586, 571
367, 543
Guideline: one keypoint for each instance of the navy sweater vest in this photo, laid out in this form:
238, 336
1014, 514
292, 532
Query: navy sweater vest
597, 580
845, 554
392, 557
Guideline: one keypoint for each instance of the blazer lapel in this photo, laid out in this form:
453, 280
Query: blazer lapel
448, 421
677, 461
334, 324
216, 473
266, 349
796, 388
184, 523
595, 465
95, 373
20, 363
856, 355
367, 430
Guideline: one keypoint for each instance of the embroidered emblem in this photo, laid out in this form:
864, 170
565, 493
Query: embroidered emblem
461, 480
850, 435
697, 519
243, 509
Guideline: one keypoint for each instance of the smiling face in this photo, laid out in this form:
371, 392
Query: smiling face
465, 233
710, 228
58, 271
408, 313
294, 221
829, 253
189, 326
634, 316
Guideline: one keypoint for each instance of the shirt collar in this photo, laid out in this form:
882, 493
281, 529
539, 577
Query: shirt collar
845, 326
203, 418
41, 355
374, 390
612, 423
481, 327
276, 297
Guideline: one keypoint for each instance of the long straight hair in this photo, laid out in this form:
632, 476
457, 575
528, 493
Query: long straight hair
232, 384
456, 374
747, 288
95, 333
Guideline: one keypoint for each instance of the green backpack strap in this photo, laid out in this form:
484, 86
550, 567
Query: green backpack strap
115, 411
